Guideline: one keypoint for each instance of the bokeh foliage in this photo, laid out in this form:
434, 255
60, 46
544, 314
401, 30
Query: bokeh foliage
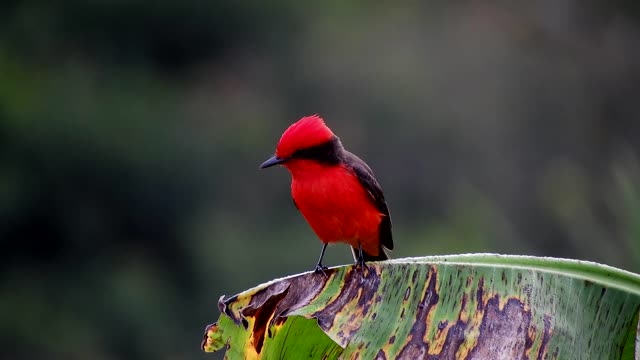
131, 132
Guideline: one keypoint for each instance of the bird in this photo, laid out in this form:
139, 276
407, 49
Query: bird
336, 191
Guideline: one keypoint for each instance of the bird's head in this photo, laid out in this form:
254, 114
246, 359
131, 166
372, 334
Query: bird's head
307, 133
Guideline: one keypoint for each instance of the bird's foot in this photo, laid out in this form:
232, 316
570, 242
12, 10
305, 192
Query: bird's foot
321, 269
360, 264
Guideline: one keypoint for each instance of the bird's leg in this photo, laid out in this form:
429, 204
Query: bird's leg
360, 261
319, 267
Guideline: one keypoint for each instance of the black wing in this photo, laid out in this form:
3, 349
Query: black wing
365, 176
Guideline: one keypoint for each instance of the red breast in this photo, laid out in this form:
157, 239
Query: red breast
335, 204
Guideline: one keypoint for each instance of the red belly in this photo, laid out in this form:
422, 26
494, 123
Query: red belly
337, 207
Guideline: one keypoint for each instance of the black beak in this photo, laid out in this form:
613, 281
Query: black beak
272, 161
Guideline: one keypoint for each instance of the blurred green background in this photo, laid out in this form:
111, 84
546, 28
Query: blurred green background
131, 134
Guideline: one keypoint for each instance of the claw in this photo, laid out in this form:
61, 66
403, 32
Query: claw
360, 261
321, 269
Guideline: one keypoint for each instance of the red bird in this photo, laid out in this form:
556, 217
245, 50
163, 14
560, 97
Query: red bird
334, 190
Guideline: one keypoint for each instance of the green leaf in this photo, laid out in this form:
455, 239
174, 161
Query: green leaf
482, 306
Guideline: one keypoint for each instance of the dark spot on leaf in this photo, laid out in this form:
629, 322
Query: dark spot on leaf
381, 355
351, 289
504, 276
374, 316
279, 320
527, 291
519, 278
392, 339
455, 338
416, 348
479, 294
529, 340
402, 314
407, 293
545, 337
414, 276
262, 314
463, 305
442, 325
502, 332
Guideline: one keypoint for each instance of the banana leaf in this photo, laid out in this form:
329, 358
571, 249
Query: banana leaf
475, 306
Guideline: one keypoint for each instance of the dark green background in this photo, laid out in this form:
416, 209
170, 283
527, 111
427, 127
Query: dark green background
131, 134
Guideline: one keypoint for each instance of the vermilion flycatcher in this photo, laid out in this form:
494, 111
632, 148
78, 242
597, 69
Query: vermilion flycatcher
334, 190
